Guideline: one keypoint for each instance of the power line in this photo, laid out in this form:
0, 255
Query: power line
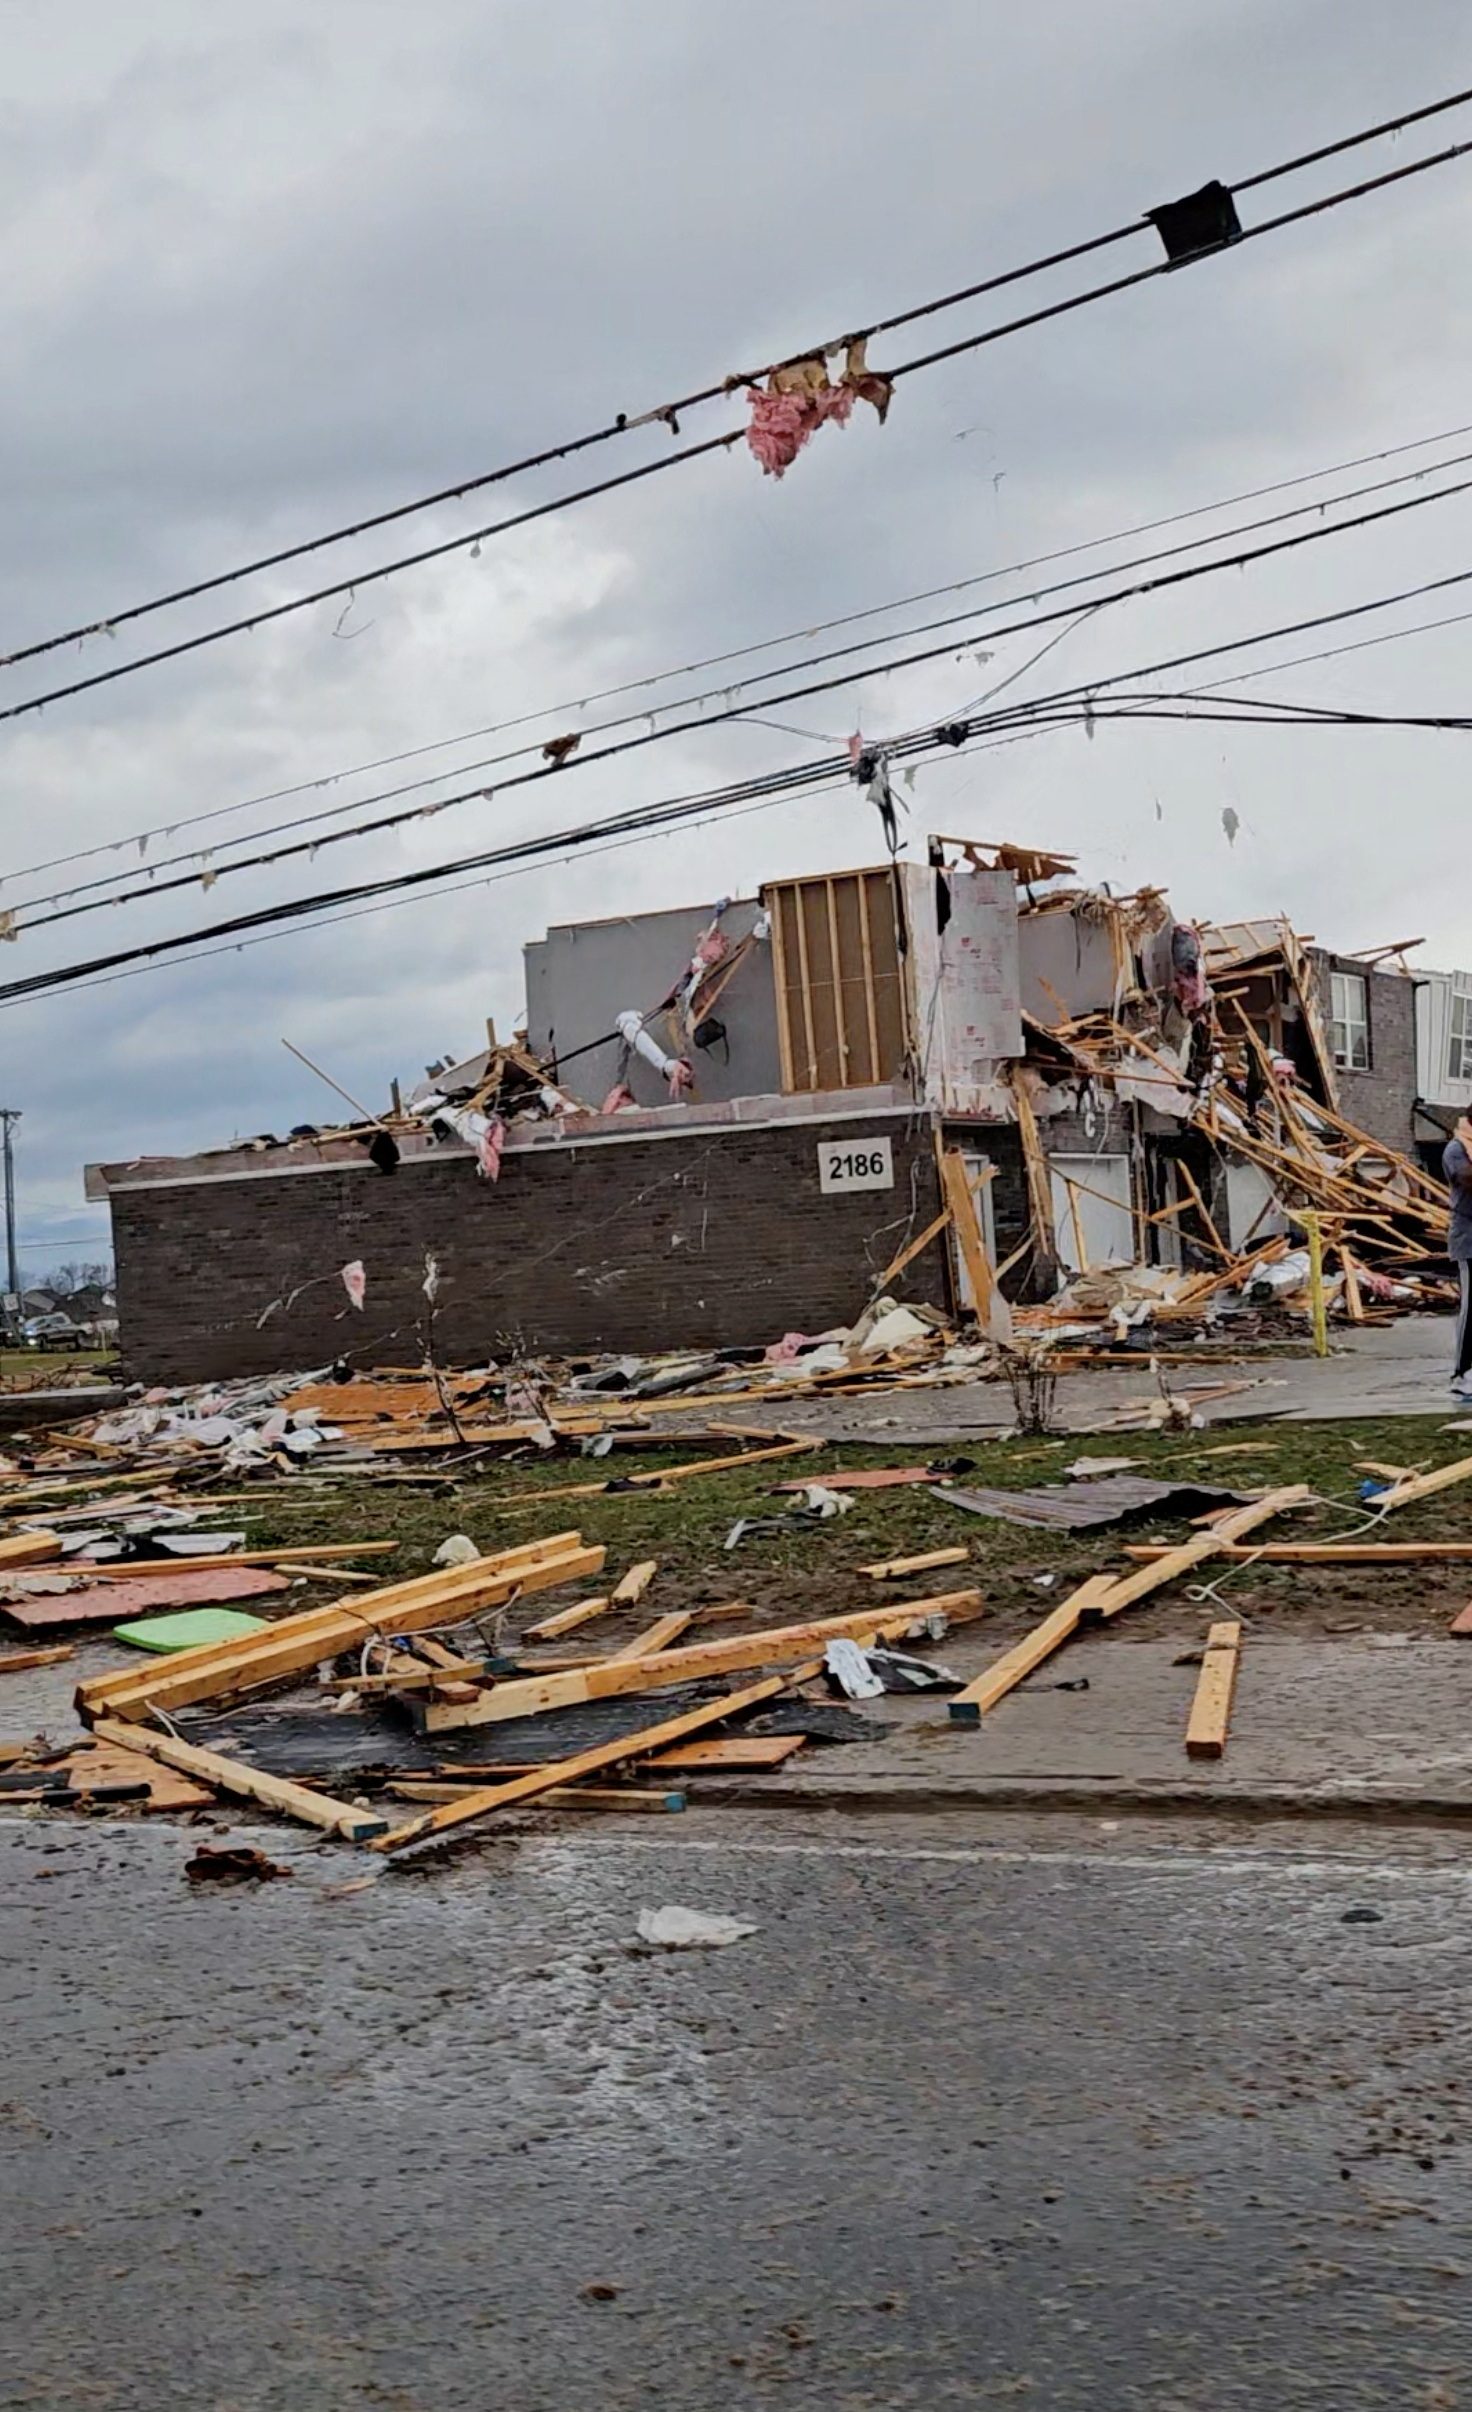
101, 889
555, 714
350, 585
1078, 705
1147, 586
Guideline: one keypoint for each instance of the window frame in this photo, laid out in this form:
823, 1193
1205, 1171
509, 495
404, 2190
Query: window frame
1344, 1027
1459, 1042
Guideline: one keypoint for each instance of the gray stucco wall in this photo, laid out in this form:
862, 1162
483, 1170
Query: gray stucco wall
581, 976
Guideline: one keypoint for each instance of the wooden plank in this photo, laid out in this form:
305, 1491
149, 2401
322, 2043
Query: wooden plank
14, 1662
530, 1696
1323, 1553
890, 1570
232, 1775
630, 1588
656, 1482
730, 1750
29, 1549
962, 1203
657, 1636
845, 1052
907, 1255
1005, 1673
1039, 1192
589, 1762
1461, 1624
567, 1620
1422, 1486
128, 1570
782, 984
562, 1796
295, 1643
1206, 1728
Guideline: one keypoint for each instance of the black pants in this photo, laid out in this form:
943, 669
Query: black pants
1464, 1321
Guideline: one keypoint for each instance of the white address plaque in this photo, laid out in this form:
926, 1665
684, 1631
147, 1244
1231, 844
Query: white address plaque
845, 1164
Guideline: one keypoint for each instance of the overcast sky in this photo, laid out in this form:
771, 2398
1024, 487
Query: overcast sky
272, 268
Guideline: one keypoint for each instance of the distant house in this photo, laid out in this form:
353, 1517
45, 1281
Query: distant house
1443, 1059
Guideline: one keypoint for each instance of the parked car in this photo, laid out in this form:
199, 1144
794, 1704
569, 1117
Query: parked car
53, 1332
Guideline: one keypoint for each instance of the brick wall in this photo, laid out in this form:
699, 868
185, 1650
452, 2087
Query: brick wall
718, 1238
1380, 1101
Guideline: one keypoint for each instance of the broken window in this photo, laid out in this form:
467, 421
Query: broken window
1349, 1021
1459, 1052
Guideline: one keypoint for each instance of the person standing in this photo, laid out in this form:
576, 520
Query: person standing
1456, 1163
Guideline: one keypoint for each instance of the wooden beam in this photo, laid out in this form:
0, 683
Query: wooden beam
631, 1587
962, 1203
562, 1796
658, 1636
1005, 1673
29, 1549
1421, 1486
15, 1661
232, 1775
1206, 1728
907, 1255
123, 1570
531, 1695
588, 1762
567, 1620
1324, 1553
890, 1570
656, 1482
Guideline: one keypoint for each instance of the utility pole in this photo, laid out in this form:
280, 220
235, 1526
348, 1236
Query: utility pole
9, 1116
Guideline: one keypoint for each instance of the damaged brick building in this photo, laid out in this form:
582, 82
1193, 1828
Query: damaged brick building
725, 1123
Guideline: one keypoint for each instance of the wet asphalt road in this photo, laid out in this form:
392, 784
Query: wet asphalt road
985, 2113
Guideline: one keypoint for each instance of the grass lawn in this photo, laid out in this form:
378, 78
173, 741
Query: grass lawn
813, 1572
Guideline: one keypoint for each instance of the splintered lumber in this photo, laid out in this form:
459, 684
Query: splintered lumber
1005, 1673
889, 1570
232, 1775
657, 1636
967, 1225
908, 1255
531, 1695
125, 1570
298, 1642
630, 1588
1325, 1553
29, 1549
1105, 1596
589, 1762
1206, 1728
1421, 1486
15, 1661
566, 1620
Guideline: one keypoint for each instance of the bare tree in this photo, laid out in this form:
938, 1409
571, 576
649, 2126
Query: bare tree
65, 1280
